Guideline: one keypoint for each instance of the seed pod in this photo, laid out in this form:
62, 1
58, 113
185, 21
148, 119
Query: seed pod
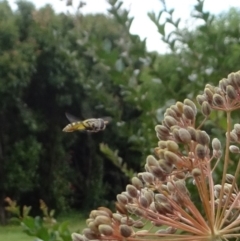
206, 108
188, 112
200, 151
158, 173
192, 133
77, 237
191, 104
218, 100
127, 220
176, 136
171, 157
149, 195
125, 231
216, 144
159, 197
102, 220
229, 178
166, 166
217, 154
151, 161
181, 186
132, 191
234, 149
196, 172
231, 92
180, 106
148, 177
223, 83
184, 135
117, 217
144, 202
162, 144
233, 136
105, 210
202, 137
163, 130
93, 226
105, 229
138, 224
170, 187
201, 99
170, 121
180, 175
90, 234
209, 94
172, 146
176, 110
121, 208
171, 112
237, 128
122, 199
137, 183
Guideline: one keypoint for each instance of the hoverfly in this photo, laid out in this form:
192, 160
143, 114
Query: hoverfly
90, 125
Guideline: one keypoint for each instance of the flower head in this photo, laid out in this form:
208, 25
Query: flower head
157, 205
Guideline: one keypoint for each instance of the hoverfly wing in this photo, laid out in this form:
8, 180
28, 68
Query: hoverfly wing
72, 118
107, 119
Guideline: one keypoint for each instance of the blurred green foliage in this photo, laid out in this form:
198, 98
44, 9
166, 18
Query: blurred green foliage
92, 66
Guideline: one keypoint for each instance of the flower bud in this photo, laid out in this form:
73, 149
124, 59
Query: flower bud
234, 149
171, 157
206, 108
188, 112
159, 197
216, 144
233, 136
165, 166
180, 106
218, 100
201, 99
89, 234
102, 220
170, 121
176, 136
237, 129
137, 183
196, 172
172, 146
163, 130
151, 161
122, 199
144, 202
176, 110
77, 237
125, 231
158, 173
229, 178
132, 191
148, 194
191, 104
105, 229
231, 92
148, 177
192, 132
208, 92
223, 83
200, 151
202, 137
138, 224
184, 135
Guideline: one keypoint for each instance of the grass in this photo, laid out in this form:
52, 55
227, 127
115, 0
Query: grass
15, 233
